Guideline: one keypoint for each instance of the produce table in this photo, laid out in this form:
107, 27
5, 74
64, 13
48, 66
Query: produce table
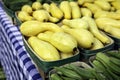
15, 60
18, 52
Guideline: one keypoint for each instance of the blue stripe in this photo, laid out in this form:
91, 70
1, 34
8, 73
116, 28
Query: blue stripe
16, 41
2, 21
10, 32
12, 37
22, 53
36, 77
23, 75
18, 47
7, 28
7, 22
30, 68
26, 60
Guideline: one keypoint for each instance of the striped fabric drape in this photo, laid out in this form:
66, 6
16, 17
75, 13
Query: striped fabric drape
16, 62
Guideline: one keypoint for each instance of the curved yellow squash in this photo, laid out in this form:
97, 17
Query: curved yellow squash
84, 38
43, 49
62, 41
32, 28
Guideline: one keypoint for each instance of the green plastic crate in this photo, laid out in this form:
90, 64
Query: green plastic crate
92, 58
78, 63
116, 41
48, 65
87, 53
18, 22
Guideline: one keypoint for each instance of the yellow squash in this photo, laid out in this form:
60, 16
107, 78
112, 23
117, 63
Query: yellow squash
48, 26
51, 18
116, 4
97, 44
84, 38
94, 30
62, 41
86, 12
81, 2
66, 9
24, 16
103, 4
36, 5
46, 6
40, 15
103, 22
113, 31
43, 50
31, 28
76, 23
93, 7
55, 11
76, 13
107, 14
27, 8
66, 55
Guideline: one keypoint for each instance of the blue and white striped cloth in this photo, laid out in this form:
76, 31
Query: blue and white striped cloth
16, 62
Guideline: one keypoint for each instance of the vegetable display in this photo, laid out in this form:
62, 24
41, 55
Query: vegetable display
78, 19
55, 29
